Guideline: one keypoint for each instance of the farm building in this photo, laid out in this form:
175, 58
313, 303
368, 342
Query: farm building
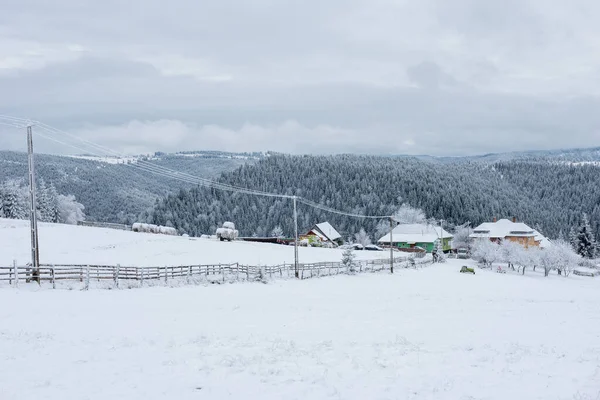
324, 233
505, 229
413, 236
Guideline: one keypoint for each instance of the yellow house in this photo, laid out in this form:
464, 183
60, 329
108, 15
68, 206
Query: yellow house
514, 231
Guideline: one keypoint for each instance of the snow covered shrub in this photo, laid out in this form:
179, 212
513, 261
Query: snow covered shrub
439, 255
511, 253
485, 252
462, 239
567, 259
409, 215
348, 261
69, 210
277, 232
362, 237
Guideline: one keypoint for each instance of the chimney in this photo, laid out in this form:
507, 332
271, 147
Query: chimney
494, 219
515, 219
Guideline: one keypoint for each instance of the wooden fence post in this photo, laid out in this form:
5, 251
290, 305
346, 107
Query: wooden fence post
16, 273
166, 274
87, 277
52, 277
189, 272
116, 277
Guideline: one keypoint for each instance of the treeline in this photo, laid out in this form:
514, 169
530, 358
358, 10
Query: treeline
548, 195
113, 192
51, 206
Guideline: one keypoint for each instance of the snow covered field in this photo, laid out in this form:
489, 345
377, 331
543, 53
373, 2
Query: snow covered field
431, 333
87, 245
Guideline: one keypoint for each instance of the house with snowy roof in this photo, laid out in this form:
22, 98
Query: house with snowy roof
505, 229
413, 236
324, 233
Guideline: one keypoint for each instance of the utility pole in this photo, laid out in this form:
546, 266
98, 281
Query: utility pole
35, 253
392, 245
296, 269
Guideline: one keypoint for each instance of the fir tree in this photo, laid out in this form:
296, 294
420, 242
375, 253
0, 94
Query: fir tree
585, 243
13, 202
348, 260
277, 232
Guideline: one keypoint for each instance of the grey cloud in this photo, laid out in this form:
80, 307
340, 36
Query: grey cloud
441, 77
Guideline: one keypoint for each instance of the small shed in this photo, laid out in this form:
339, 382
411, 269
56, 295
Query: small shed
324, 233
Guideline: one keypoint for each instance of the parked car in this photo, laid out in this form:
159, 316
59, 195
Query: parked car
462, 253
227, 232
373, 247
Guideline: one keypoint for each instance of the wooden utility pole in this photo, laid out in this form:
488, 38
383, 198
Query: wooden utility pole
35, 254
296, 266
392, 245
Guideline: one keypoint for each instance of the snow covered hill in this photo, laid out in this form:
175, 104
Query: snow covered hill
87, 245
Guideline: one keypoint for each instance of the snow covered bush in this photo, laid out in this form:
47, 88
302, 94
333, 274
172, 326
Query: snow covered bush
439, 255
409, 215
462, 238
362, 237
511, 253
566, 258
485, 252
69, 210
277, 232
348, 260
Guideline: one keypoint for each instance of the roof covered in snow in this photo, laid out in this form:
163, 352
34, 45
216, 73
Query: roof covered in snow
544, 241
417, 233
326, 229
502, 229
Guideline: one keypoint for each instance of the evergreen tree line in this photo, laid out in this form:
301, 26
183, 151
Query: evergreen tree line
548, 195
51, 206
117, 192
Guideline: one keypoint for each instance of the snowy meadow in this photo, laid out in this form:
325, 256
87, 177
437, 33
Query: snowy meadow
431, 333
425, 333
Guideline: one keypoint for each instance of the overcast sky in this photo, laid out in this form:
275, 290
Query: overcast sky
440, 77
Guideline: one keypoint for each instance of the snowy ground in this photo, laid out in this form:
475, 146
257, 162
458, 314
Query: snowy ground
431, 333
87, 245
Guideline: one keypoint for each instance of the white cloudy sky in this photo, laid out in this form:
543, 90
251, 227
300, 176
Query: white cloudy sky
442, 77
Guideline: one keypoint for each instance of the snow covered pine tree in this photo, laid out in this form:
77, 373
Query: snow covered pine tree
348, 261
583, 240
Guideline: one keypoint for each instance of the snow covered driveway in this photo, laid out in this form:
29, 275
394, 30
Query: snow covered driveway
425, 334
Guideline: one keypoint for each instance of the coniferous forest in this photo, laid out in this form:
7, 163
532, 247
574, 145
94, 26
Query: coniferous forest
548, 193
548, 190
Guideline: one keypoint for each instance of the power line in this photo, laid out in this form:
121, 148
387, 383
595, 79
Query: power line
334, 211
173, 174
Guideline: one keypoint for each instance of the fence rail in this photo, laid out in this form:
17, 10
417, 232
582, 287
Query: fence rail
105, 225
85, 274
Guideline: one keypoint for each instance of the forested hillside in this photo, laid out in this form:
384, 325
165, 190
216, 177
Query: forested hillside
547, 193
117, 192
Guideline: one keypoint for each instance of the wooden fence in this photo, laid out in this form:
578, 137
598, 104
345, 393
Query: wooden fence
105, 225
54, 273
